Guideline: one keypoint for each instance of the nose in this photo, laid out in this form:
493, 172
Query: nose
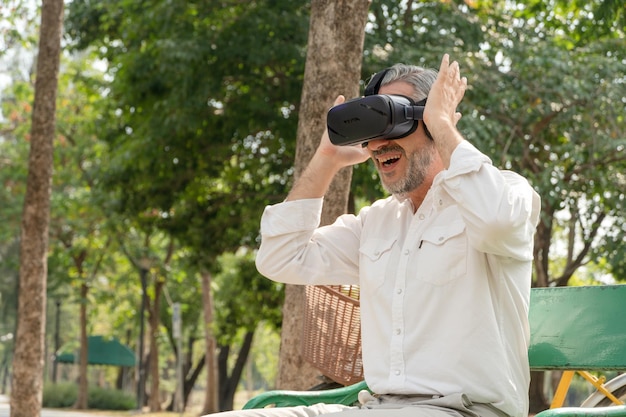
376, 144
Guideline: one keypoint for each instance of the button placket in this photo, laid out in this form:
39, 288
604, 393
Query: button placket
403, 273
397, 315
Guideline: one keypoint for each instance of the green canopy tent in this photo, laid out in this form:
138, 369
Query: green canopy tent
102, 351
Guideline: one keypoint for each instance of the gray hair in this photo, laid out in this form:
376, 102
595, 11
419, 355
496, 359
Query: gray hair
420, 78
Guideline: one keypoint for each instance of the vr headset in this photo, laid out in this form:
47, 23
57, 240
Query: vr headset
375, 116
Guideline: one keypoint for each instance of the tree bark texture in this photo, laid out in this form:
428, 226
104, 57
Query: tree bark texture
333, 67
26, 392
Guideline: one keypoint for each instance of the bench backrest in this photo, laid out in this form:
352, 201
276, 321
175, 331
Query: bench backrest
578, 328
572, 328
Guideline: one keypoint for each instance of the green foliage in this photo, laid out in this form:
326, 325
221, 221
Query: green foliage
108, 399
193, 81
183, 286
556, 116
419, 32
20, 27
575, 23
545, 99
243, 298
63, 395
60, 395
263, 358
14, 144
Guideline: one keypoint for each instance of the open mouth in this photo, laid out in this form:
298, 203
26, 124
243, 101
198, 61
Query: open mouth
387, 157
390, 160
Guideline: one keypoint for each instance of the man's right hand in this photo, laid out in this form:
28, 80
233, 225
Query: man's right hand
326, 162
342, 156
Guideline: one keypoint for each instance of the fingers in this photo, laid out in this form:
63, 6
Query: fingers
445, 63
454, 73
451, 70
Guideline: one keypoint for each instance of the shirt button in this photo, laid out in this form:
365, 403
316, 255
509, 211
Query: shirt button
399, 291
441, 238
377, 253
398, 331
422, 217
406, 252
397, 372
441, 202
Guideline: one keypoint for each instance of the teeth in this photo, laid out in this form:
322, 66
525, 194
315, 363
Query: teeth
387, 159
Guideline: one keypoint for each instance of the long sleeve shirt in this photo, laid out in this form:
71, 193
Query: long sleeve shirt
444, 289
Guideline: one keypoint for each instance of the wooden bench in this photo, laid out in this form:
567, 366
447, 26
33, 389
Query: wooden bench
572, 329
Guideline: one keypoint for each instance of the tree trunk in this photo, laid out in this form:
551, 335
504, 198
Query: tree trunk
141, 362
155, 397
333, 67
543, 236
82, 394
26, 392
538, 401
191, 381
211, 404
229, 383
541, 250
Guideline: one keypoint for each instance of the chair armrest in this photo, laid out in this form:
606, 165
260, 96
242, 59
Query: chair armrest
613, 411
284, 398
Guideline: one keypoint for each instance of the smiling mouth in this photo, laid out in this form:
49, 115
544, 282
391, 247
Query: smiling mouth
388, 161
388, 156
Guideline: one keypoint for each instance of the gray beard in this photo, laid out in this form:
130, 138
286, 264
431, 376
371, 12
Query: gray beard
419, 162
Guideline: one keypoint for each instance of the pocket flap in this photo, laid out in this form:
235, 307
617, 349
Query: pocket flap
440, 234
375, 248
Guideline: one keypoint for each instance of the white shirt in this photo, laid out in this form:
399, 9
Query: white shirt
444, 290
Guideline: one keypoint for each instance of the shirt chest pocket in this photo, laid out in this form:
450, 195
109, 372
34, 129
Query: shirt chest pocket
375, 255
442, 254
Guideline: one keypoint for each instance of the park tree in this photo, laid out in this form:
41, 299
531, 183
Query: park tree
29, 347
200, 130
83, 236
256, 154
77, 244
77, 219
333, 66
16, 109
242, 296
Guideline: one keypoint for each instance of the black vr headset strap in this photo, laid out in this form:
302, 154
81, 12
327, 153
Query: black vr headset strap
413, 112
423, 103
374, 84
